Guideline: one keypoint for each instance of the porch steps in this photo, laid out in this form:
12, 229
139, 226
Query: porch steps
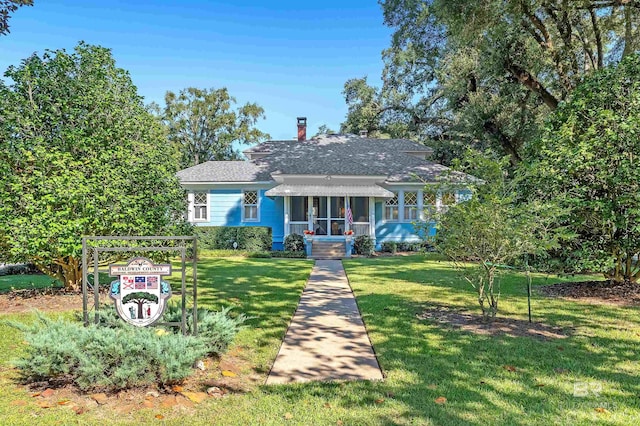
327, 250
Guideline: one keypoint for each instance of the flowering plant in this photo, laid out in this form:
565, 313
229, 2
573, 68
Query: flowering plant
349, 232
308, 232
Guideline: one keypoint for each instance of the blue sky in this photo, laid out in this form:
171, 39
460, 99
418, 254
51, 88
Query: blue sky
291, 57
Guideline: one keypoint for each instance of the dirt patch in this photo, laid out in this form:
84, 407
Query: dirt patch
230, 374
498, 327
623, 294
21, 301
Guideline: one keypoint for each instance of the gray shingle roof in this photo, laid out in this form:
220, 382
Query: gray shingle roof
331, 155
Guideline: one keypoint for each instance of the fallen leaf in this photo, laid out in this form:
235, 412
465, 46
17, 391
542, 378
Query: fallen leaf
45, 404
339, 423
64, 402
47, 393
288, 416
441, 400
176, 388
539, 385
432, 387
379, 400
36, 394
19, 403
159, 416
100, 398
602, 410
227, 373
327, 405
195, 397
79, 409
510, 368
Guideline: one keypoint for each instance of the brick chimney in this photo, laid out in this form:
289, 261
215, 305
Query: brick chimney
302, 129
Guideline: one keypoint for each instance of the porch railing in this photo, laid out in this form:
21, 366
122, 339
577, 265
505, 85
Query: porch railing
298, 227
360, 228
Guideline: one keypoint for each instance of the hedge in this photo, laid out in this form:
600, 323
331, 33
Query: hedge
250, 238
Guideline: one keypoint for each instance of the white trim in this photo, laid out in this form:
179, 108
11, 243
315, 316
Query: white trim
257, 205
207, 205
372, 218
287, 210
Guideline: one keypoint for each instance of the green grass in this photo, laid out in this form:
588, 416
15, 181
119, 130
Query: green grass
26, 282
421, 360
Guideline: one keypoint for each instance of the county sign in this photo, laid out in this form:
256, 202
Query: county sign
139, 293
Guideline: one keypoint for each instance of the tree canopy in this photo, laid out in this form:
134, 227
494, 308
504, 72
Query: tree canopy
587, 161
7, 7
485, 73
204, 125
79, 155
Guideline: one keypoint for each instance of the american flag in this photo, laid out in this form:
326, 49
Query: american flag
349, 214
152, 282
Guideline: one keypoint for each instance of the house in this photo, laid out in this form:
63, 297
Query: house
328, 184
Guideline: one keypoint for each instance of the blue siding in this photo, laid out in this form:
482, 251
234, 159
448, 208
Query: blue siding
396, 231
226, 210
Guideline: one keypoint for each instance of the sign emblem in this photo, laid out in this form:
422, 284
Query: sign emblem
140, 294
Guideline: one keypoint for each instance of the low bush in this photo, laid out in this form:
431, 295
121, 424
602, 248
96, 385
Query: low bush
216, 330
249, 238
115, 355
289, 254
390, 247
97, 357
363, 245
294, 242
259, 255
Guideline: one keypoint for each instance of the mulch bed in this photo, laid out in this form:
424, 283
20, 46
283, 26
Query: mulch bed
625, 294
474, 323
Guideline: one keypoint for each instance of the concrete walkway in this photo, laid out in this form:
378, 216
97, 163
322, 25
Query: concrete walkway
326, 339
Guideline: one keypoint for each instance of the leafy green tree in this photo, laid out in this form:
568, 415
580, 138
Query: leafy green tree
204, 125
485, 73
140, 298
79, 155
491, 230
6, 8
587, 160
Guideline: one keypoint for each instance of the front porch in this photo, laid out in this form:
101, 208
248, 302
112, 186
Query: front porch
332, 219
329, 217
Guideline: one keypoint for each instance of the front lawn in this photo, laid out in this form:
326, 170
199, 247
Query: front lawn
495, 380
422, 361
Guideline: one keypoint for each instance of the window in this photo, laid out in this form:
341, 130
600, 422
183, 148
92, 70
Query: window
250, 205
359, 209
391, 208
299, 209
410, 206
429, 203
447, 199
200, 206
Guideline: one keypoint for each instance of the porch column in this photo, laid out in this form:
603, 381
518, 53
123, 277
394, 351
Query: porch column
310, 213
372, 218
287, 210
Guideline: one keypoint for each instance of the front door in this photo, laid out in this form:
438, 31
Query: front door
329, 216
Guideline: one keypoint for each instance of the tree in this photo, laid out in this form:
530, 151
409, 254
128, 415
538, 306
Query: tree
491, 230
204, 126
587, 159
7, 7
485, 73
323, 129
79, 155
140, 298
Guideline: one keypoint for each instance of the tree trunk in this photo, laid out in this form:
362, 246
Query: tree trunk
140, 305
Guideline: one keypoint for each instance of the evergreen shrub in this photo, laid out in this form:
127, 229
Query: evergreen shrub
249, 238
363, 245
294, 242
